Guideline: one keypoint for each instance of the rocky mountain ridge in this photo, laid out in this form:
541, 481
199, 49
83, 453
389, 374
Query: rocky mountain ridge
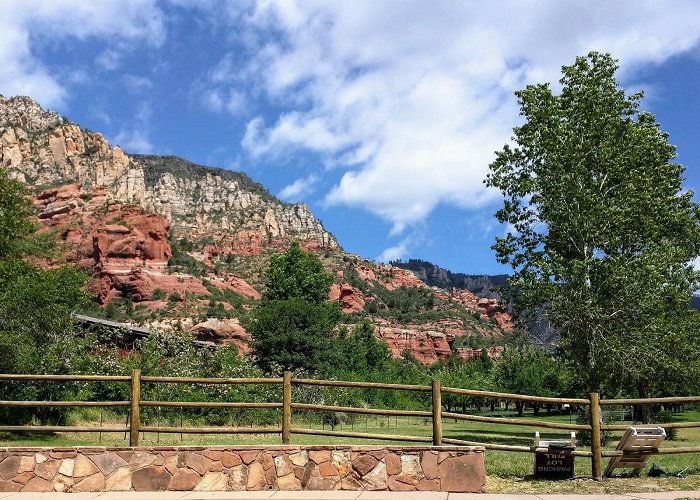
41, 148
481, 285
174, 245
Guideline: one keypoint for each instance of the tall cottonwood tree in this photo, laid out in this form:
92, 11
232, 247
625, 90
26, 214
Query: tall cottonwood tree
602, 234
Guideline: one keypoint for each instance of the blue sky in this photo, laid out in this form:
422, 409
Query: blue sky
382, 116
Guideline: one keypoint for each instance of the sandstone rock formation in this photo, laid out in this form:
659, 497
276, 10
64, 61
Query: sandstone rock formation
489, 307
349, 297
182, 246
42, 148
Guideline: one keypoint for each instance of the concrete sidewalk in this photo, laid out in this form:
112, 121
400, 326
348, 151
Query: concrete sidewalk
334, 495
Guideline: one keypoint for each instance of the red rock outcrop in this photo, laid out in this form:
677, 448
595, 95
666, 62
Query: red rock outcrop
401, 277
428, 346
223, 332
389, 277
349, 297
489, 307
104, 235
125, 248
140, 284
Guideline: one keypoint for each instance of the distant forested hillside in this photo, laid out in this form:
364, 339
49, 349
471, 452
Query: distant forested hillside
482, 285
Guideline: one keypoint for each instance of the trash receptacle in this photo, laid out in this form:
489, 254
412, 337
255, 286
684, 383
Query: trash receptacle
556, 462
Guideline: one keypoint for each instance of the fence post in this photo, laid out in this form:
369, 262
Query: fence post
597, 459
437, 412
135, 414
286, 406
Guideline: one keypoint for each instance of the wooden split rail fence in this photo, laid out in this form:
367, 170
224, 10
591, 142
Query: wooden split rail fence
436, 414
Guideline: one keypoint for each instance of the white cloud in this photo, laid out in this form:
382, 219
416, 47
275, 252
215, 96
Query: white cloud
412, 99
396, 252
696, 263
300, 188
220, 100
109, 59
135, 84
23, 22
134, 137
215, 92
134, 140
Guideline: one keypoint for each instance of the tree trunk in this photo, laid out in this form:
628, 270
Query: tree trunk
536, 409
519, 406
644, 410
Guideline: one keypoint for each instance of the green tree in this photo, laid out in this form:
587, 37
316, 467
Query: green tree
35, 304
527, 370
602, 233
292, 334
296, 274
36, 329
15, 210
292, 326
360, 353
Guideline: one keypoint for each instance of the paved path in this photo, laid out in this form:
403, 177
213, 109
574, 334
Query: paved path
333, 495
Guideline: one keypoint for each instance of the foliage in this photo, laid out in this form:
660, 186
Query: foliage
358, 353
584, 437
292, 326
180, 260
666, 417
35, 304
15, 209
296, 274
528, 370
603, 233
477, 374
292, 334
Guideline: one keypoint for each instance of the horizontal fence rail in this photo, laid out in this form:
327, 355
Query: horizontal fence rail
517, 421
74, 404
361, 385
436, 414
650, 401
214, 404
515, 397
226, 381
364, 411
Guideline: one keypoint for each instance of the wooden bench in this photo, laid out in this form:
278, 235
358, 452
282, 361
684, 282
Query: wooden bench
637, 444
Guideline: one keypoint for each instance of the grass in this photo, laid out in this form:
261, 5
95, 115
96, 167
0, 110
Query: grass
507, 472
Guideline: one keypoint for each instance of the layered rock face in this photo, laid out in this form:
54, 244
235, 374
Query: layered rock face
42, 148
126, 251
177, 246
489, 307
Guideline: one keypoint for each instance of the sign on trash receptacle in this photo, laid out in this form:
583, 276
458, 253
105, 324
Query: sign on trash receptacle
554, 465
557, 462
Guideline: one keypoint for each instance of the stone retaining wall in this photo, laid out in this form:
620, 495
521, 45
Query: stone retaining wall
236, 468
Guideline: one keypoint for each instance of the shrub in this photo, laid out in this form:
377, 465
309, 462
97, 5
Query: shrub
666, 417
584, 437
